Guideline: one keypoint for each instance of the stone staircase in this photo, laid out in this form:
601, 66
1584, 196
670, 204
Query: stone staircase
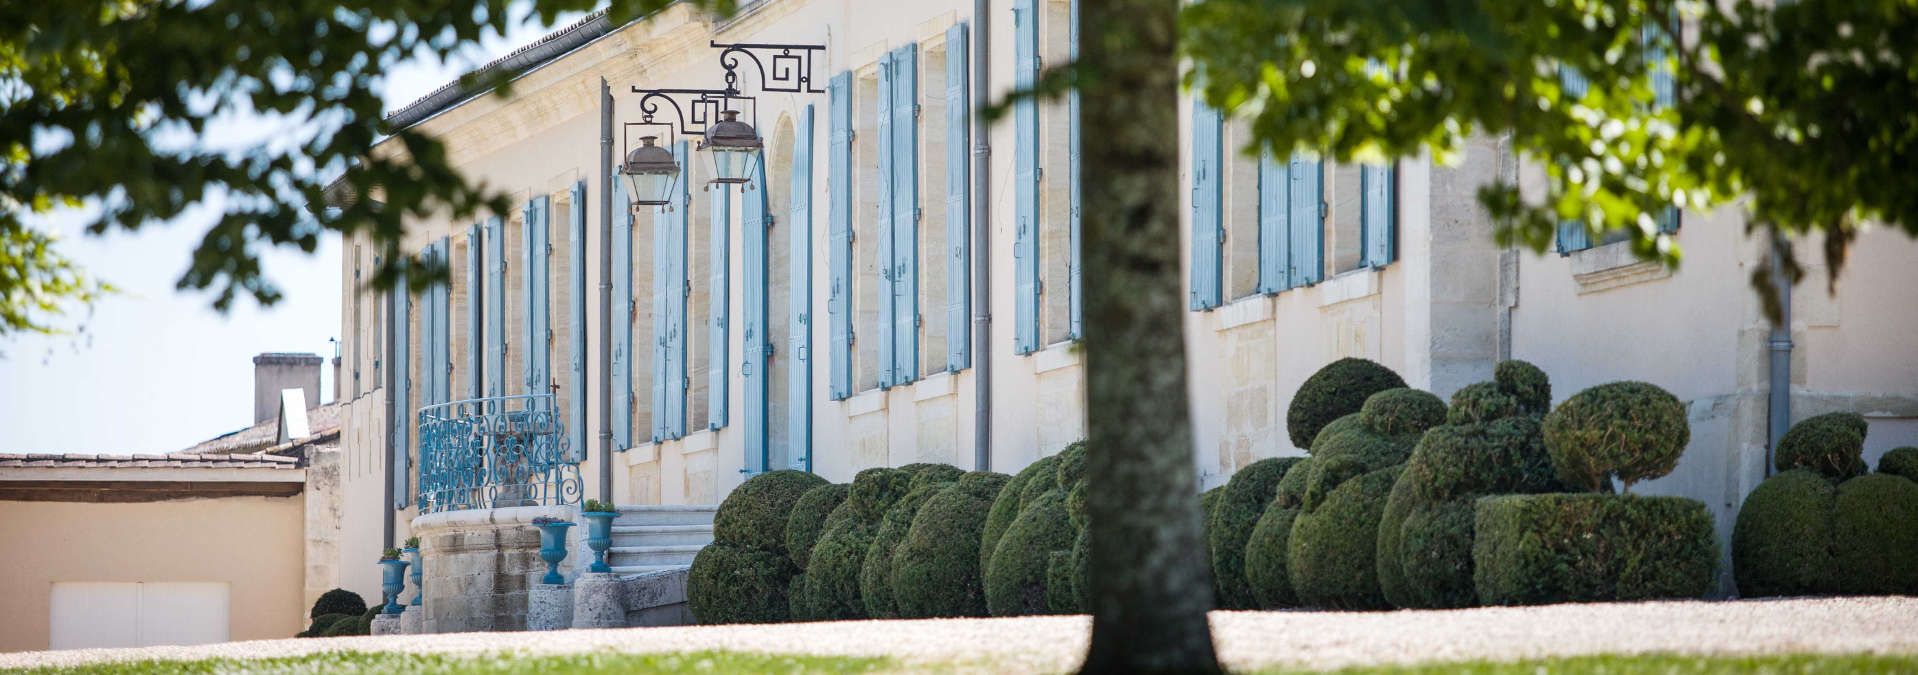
653, 547
659, 538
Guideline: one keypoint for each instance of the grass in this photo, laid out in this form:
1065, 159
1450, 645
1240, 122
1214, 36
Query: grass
741, 662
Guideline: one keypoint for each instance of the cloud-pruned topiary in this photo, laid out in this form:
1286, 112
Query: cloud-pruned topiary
875, 490
924, 473
736, 583
1526, 383
1016, 576
1900, 462
338, 601
1237, 512
808, 520
1831, 444
1781, 542
935, 570
1012, 499
1337, 390
1266, 574
1397, 412
755, 513
1631, 431
1539, 549
1332, 548
1481, 402
875, 576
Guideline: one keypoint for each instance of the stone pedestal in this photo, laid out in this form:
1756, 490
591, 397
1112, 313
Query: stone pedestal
410, 620
481, 566
386, 624
549, 607
597, 602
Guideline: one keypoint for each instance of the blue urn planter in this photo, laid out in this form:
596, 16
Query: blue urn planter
599, 537
414, 571
392, 579
552, 549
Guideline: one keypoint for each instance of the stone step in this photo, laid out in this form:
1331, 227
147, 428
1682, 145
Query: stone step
629, 570
665, 514
661, 535
653, 555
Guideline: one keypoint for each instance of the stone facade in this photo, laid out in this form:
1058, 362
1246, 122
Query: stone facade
481, 566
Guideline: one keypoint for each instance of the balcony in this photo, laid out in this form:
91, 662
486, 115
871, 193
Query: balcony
495, 452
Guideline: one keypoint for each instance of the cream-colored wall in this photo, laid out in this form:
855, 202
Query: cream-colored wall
362, 489
252, 544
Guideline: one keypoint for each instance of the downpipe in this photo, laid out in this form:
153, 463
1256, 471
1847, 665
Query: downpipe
981, 241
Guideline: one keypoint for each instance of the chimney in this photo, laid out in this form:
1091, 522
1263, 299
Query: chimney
274, 371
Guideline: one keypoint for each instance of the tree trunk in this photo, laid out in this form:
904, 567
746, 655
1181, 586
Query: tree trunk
1151, 586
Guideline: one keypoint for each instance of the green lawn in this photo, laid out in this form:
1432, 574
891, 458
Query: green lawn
738, 662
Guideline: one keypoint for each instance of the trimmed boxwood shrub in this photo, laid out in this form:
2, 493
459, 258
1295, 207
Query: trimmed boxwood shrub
756, 513
1629, 430
1332, 550
798, 603
1016, 577
1539, 549
926, 473
1781, 543
875, 490
1062, 595
337, 625
1435, 557
1011, 500
338, 601
935, 570
1082, 570
875, 575
733, 583
1397, 412
1875, 536
1525, 382
1209, 505
1071, 465
1481, 402
1337, 390
808, 520
1399, 504
1238, 510
832, 576
1900, 462
1266, 552
1828, 444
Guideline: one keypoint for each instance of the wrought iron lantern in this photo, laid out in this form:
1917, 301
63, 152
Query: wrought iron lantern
734, 146
650, 172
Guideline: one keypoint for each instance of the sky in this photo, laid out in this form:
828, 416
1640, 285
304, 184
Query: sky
156, 370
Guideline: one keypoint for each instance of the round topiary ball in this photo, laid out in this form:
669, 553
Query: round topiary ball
983, 484
1631, 430
1359, 443
1237, 512
1781, 542
756, 512
338, 601
1900, 462
1403, 411
1291, 491
924, 473
875, 575
1072, 464
731, 583
832, 576
1337, 390
1481, 402
1266, 573
808, 519
935, 570
1012, 499
1332, 552
1526, 383
1875, 536
1016, 576
874, 490
1831, 444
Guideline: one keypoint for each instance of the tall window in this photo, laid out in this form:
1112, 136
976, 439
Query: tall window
1241, 204
866, 282
1056, 245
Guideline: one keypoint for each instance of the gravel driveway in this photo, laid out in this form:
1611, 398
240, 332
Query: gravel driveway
1245, 639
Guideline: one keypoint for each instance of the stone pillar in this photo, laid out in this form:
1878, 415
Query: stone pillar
411, 620
386, 624
480, 566
597, 602
550, 607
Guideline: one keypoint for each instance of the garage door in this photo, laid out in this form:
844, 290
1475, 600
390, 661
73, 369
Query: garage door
100, 614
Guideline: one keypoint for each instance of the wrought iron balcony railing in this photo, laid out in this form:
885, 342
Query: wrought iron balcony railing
495, 452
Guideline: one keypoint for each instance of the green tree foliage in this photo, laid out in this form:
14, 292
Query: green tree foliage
1804, 106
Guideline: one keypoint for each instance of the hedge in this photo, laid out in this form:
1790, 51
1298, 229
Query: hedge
1781, 542
1011, 500
935, 570
1435, 559
1631, 431
338, 601
1829, 444
875, 575
735, 583
1238, 510
1900, 462
1875, 536
1015, 579
1331, 553
756, 513
808, 519
1337, 390
1539, 549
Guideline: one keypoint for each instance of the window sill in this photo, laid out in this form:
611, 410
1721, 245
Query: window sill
698, 441
1055, 357
1243, 311
932, 386
866, 402
1352, 285
1608, 266
641, 454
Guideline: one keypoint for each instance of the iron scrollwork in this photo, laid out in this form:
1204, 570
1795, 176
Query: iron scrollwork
496, 452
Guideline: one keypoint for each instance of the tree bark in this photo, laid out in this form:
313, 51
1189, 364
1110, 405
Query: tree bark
1151, 586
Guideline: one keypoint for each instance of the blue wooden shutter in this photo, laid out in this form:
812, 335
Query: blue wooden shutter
905, 214
719, 300
839, 235
622, 318
799, 376
495, 307
1307, 201
1275, 237
576, 321
679, 222
1075, 277
1378, 215
883, 260
958, 203
535, 245
475, 311
1207, 217
662, 286
402, 400
1572, 235
753, 223
1025, 180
